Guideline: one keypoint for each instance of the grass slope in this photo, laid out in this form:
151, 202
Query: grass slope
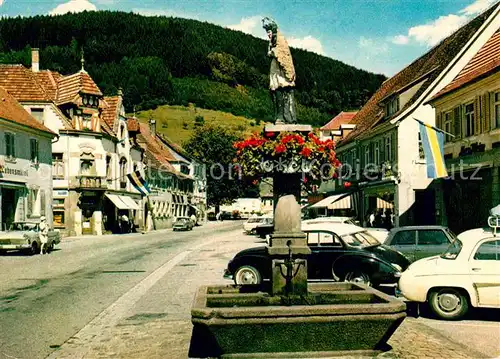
178, 122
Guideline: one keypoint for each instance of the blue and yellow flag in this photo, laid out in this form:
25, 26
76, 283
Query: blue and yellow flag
433, 143
139, 182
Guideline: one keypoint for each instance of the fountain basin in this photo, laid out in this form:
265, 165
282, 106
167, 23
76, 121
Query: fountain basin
333, 319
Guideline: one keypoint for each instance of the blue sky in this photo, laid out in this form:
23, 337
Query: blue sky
382, 36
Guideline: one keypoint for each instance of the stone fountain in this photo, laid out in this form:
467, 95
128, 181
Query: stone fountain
291, 319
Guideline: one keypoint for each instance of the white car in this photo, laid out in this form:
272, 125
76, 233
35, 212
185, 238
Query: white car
467, 274
380, 234
252, 223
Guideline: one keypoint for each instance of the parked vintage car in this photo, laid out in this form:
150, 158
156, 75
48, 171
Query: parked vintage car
417, 242
183, 224
465, 275
379, 233
340, 252
25, 236
252, 223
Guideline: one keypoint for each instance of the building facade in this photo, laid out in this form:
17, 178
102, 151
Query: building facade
468, 110
383, 158
25, 164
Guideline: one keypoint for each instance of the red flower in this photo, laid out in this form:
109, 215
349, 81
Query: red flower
321, 149
347, 184
255, 181
305, 180
299, 139
269, 134
306, 152
280, 149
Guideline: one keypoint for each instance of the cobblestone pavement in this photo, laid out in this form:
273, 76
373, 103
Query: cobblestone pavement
158, 324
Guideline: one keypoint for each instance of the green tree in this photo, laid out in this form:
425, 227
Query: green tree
213, 145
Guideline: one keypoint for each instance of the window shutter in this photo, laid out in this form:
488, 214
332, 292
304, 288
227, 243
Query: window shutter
381, 145
477, 115
486, 112
393, 146
457, 122
439, 120
42, 202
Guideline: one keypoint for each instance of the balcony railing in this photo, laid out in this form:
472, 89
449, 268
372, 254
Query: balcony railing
93, 182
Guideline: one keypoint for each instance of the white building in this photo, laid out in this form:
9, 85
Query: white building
25, 168
93, 155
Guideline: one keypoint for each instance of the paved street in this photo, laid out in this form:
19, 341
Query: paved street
130, 297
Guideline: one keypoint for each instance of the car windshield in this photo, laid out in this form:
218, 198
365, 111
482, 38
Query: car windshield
22, 227
360, 239
453, 250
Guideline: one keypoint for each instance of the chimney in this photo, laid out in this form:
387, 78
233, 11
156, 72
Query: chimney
152, 127
35, 60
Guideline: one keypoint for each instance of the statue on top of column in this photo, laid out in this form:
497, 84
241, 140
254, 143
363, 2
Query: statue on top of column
281, 74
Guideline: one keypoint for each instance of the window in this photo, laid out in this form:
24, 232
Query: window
367, 154
34, 150
37, 113
387, 149
404, 238
87, 122
57, 165
421, 153
329, 239
86, 167
469, 120
10, 148
377, 153
108, 167
432, 238
58, 216
447, 124
488, 251
123, 172
312, 239
496, 106
392, 107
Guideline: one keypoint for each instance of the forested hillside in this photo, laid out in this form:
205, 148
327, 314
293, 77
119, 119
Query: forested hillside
158, 60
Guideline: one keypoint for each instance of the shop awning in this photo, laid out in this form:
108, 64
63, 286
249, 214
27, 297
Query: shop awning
339, 201
381, 204
122, 202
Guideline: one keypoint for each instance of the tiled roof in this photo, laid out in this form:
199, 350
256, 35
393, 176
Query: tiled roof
70, 86
111, 110
428, 67
342, 118
485, 61
48, 80
21, 84
132, 124
11, 110
155, 151
174, 147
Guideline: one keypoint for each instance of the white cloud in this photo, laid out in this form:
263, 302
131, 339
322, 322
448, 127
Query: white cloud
1, 2
477, 7
251, 25
400, 40
161, 12
308, 43
435, 31
372, 47
73, 6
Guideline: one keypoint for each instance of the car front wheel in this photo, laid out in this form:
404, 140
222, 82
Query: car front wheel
247, 275
448, 303
358, 277
34, 249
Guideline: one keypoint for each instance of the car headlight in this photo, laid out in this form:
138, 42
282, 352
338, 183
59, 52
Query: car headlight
397, 266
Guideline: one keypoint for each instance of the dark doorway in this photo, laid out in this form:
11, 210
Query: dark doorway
425, 207
8, 207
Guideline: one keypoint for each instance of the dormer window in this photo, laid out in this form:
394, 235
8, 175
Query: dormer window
392, 106
90, 101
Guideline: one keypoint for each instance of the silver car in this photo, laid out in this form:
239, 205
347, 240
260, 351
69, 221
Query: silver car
25, 236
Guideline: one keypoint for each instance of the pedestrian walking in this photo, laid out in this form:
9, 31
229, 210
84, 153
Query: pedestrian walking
371, 219
124, 223
43, 235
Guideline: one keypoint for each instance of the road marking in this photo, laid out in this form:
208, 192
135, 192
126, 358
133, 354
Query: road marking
100, 327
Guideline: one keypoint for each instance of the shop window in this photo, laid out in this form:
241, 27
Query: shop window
58, 218
34, 150
10, 147
57, 165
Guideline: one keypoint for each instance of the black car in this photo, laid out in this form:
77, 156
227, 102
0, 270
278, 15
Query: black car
340, 252
417, 242
265, 229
